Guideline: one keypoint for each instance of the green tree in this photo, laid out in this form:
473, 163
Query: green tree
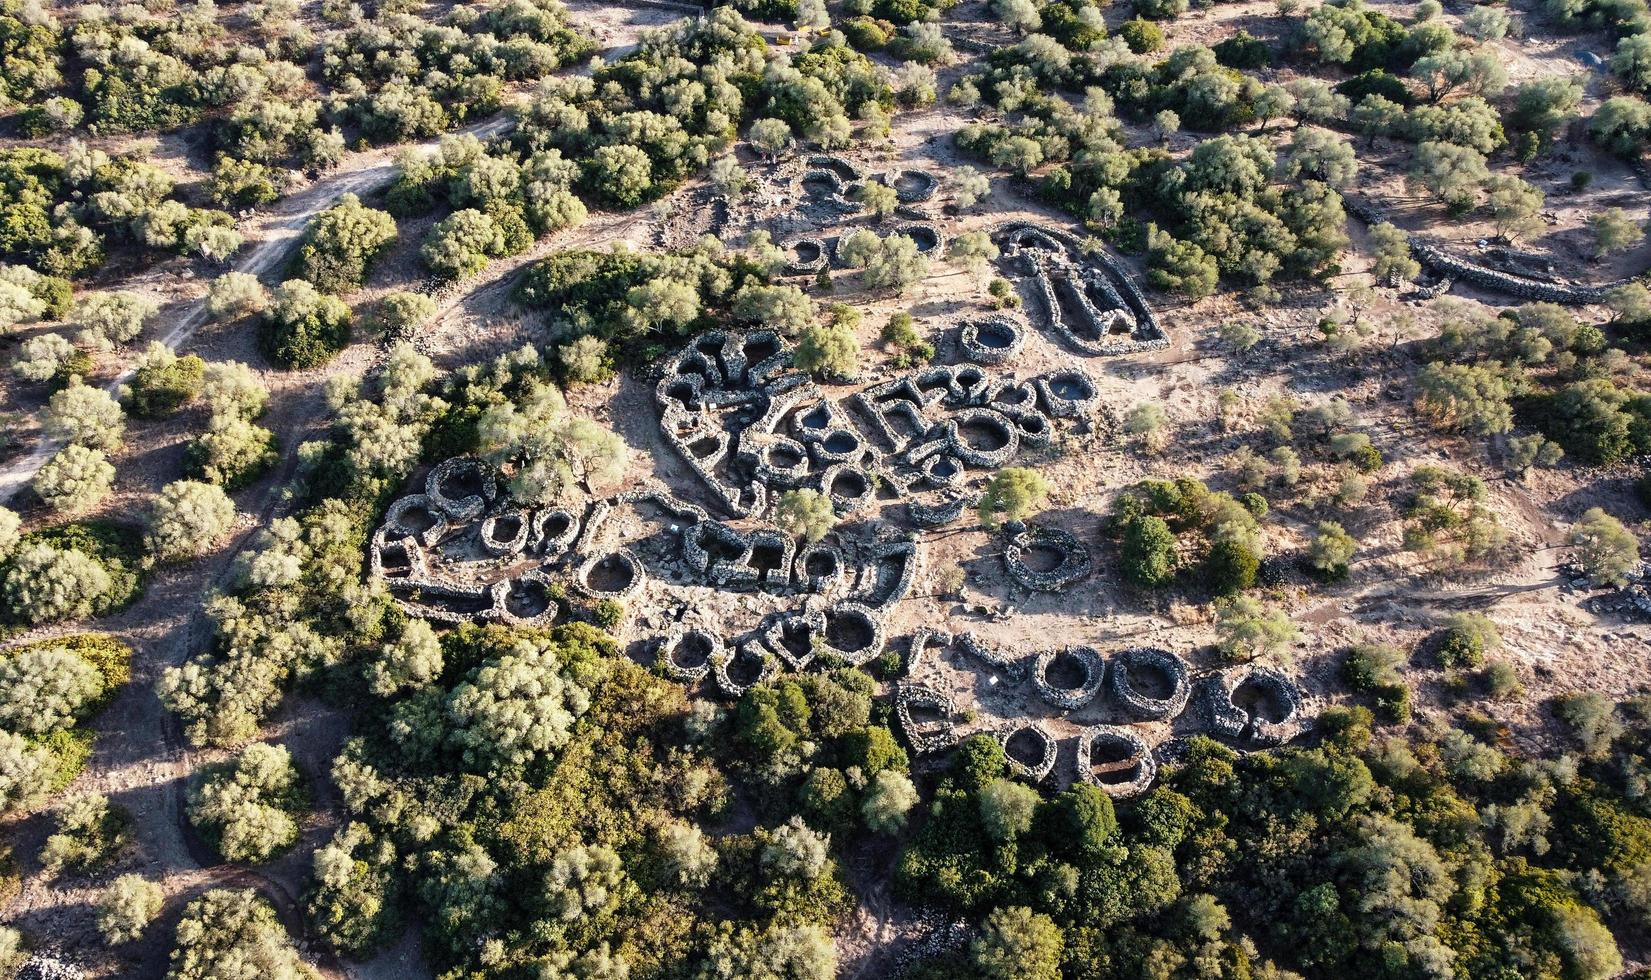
304, 328
164, 382
1246, 630
827, 350
805, 513
187, 519
1607, 551
342, 244
1018, 944
1012, 494
1149, 551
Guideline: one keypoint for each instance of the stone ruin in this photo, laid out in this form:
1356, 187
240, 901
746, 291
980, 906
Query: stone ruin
752, 428
1450, 267
1086, 296
460, 551
1251, 706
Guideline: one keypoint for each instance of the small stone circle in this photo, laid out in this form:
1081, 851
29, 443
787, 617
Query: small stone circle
1069, 698
1134, 749
1122, 682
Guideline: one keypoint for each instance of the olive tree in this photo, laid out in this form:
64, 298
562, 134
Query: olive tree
107, 319
888, 800
163, 381
27, 770
516, 707
410, 662
44, 584
47, 689
1608, 552
227, 933
304, 328
187, 518
401, 314
552, 452
233, 390
1614, 231
244, 807
236, 294
48, 357
90, 833
1451, 173
1018, 944
127, 907
972, 250
969, 187
1246, 630
84, 416
11, 532
75, 479
1391, 248
1331, 549
460, 244
805, 513
770, 137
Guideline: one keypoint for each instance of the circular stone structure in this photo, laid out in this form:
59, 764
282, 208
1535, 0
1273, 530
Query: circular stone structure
1271, 700
1067, 394
1046, 559
685, 654
982, 438
849, 487
612, 576
852, 633
1117, 759
737, 672
1068, 678
926, 717
806, 255
1030, 750
505, 533
461, 488
1132, 682
912, 186
991, 339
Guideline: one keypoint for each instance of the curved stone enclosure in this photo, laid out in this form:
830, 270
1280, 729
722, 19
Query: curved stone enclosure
686, 655
1087, 297
1129, 682
912, 706
1117, 759
461, 488
912, 185
993, 339
1219, 696
1062, 560
1030, 750
1068, 678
